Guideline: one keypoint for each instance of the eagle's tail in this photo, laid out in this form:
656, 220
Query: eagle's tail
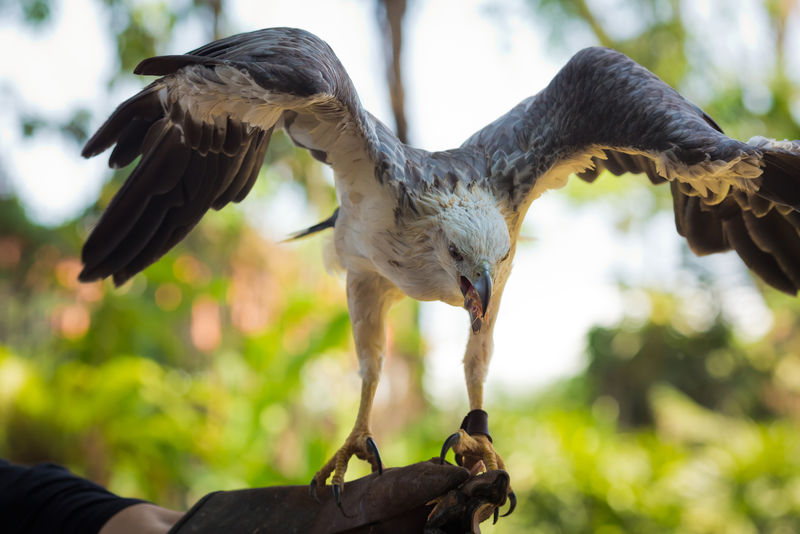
330, 222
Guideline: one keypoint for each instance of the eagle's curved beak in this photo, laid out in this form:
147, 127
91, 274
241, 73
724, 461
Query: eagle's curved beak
483, 285
477, 292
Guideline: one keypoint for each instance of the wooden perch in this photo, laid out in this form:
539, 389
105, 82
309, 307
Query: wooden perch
420, 498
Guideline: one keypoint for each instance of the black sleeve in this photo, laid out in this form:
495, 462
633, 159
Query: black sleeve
47, 498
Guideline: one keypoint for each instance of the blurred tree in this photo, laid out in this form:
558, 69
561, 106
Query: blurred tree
390, 15
229, 362
628, 361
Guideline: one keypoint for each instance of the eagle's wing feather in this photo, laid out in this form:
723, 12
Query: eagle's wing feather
604, 111
203, 130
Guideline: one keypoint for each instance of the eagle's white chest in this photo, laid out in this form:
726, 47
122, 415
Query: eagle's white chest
368, 239
365, 211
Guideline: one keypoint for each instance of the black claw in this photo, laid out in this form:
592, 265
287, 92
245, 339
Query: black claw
312, 490
371, 447
337, 496
512, 499
496, 515
451, 440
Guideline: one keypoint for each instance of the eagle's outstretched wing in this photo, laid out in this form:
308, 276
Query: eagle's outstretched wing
203, 129
603, 110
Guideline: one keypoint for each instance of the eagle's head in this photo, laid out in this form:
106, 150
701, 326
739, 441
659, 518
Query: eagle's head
472, 247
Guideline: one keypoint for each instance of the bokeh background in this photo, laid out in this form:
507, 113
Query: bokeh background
635, 388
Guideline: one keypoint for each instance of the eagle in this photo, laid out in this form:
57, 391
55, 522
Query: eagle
432, 226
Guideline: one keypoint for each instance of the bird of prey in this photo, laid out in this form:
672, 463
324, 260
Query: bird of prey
428, 225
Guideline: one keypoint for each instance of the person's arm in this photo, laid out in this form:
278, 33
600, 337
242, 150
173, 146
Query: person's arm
142, 518
48, 498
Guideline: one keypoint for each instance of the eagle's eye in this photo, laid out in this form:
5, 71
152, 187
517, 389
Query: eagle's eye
454, 253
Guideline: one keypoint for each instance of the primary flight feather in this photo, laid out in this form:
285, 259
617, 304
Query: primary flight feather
429, 225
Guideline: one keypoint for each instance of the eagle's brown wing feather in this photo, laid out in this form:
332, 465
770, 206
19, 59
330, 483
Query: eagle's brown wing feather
203, 130
604, 111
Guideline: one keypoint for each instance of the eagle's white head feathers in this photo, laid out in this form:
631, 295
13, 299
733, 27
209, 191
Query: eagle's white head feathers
452, 250
472, 242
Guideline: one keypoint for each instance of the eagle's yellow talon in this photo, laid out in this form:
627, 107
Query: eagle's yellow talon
473, 449
477, 454
359, 444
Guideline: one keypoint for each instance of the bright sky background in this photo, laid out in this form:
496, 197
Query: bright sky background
467, 62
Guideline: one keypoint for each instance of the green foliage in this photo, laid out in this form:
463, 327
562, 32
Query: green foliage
75, 128
695, 472
627, 363
656, 39
36, 12
125, 378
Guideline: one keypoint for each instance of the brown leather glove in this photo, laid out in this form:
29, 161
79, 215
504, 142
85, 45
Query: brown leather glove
420, 498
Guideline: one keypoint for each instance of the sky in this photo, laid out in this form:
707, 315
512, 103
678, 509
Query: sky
466, 63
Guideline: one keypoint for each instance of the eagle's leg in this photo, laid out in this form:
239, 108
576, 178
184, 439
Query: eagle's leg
472, 443
369, 298
357, 443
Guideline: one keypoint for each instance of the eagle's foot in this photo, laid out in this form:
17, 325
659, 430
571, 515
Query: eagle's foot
470, 450
476, 454
360, 444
